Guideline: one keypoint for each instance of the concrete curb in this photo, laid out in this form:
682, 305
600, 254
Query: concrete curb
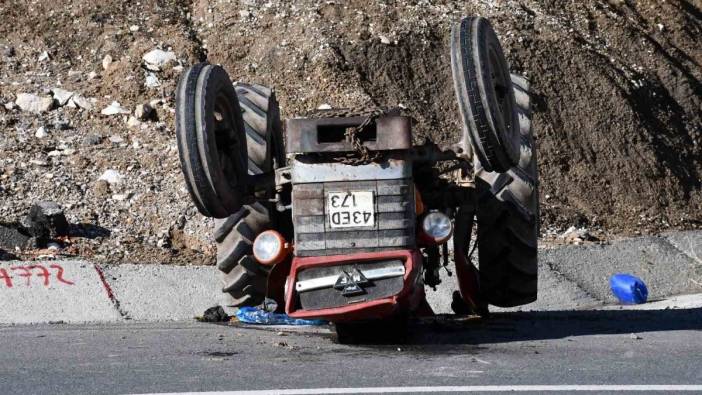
570, 277
55, 291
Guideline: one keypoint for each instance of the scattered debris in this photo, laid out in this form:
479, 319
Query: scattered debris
8, 52
33, 103
133, 122
121, 197
43, 56
112, 177
144, 112
40, 133
214, 314
151, 81
78, 101
628, 289
106, 62
45, 222
92, 139
114, 109
116, 139
61, 96
157, 59
255, 315
13, 236
575, 235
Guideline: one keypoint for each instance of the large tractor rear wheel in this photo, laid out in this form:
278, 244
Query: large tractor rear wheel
508, 218
244, 280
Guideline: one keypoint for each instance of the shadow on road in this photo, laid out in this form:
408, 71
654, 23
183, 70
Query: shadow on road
511, 327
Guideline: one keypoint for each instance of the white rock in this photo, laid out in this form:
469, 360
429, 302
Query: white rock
44, 56
245, 14
134, 28
37, 162
152, 81
114, 109
133, 123
115, 139
10, 106
92, 75
78, 101
384, 40
574, 234
40, 133
324, 106
112, 177
121, 197
106, 62
33, 103
156, 59
61, 96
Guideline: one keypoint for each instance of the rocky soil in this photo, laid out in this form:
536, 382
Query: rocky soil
617, 87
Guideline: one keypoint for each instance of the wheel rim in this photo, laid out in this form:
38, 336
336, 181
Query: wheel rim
226, 137
501, 84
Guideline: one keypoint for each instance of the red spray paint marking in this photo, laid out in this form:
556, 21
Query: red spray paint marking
37, 271
43, 272
105, 284
6, 277
59, 275
25, 273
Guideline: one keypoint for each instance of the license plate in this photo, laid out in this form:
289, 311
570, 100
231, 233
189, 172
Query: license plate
351, 209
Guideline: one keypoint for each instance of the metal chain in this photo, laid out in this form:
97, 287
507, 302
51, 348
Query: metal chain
362, 154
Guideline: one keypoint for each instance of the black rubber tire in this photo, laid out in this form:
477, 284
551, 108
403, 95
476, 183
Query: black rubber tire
508, 220
211, 142
485, 96
244, 280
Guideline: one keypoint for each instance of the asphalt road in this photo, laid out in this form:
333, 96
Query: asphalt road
659, 347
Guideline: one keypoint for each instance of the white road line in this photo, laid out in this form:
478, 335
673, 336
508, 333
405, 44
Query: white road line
469, 388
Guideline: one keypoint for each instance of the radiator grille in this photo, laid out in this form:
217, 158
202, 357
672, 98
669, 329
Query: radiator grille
394, 220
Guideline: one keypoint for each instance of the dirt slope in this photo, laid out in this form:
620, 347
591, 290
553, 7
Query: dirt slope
618, 88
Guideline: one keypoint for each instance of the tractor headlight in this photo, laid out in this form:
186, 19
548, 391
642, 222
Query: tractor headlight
437, 227
270, 248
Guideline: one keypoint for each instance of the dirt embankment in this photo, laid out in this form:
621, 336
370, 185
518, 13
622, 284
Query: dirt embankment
617, 87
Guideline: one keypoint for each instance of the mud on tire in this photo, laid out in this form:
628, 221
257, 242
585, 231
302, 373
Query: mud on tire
508, 219
244, 280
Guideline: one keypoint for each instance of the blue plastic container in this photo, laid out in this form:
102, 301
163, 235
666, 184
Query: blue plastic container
628, 289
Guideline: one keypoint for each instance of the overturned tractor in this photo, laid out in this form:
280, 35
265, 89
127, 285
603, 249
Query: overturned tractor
339, 216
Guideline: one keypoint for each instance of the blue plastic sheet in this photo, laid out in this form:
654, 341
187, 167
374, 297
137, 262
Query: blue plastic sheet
628, 289
255, 315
